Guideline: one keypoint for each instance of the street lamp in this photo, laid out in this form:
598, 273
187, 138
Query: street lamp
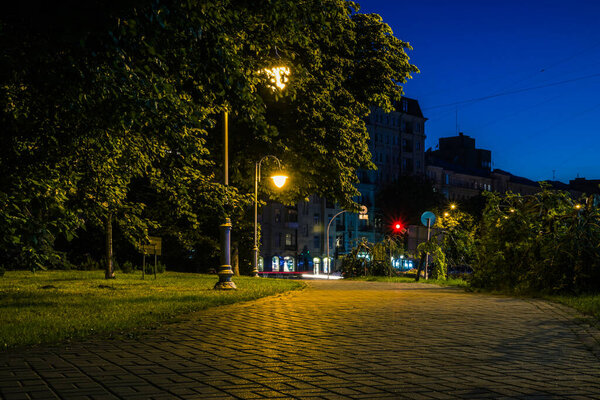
279, 181
363, 213
278, 78
328, 263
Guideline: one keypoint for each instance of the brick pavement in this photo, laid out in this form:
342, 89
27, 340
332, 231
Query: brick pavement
334, 340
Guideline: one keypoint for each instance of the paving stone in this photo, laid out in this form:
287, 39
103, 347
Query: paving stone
337, 339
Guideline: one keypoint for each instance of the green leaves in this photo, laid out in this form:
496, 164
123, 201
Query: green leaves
121, 119
544, 242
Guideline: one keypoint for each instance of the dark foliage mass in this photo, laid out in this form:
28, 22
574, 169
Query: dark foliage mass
110, 115
545, 242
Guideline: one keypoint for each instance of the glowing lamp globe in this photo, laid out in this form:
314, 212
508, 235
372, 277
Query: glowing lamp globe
279, 180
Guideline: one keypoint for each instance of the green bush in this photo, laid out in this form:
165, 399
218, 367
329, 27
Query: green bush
89, 264
372, 259
545, 242
2, 270
160, 268
127, 267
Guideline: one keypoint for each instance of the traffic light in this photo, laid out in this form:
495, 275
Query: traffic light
398, 227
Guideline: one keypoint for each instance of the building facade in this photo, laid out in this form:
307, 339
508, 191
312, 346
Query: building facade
294, 238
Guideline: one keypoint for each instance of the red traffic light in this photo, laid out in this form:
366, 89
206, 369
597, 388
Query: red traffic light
398, 227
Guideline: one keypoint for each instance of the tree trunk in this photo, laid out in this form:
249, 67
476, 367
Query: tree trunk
421, 264
235, 259
109, 273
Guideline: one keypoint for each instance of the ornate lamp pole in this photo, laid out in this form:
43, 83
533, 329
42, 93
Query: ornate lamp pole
225, 272
279, 181
278, 77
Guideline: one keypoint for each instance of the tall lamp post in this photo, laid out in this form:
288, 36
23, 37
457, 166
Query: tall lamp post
327, 242
225, 272
279, 181
277, 80
362, 214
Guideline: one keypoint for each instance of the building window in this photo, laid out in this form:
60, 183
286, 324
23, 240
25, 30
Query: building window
275, 264
418, 146
277, 215
278, 240
288, 239
447, 179
403, 126
261, 264
316, 265
404, 105
317, 218
291, 215
316, 242
288, 264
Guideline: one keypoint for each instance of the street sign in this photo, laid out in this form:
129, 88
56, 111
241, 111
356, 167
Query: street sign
428, 215
363, 213
152, 248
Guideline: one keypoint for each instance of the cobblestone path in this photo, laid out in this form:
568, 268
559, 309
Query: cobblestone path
334, 340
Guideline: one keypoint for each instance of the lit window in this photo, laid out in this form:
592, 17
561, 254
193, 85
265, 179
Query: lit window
316, 265
288, 239
275, 264
288, 264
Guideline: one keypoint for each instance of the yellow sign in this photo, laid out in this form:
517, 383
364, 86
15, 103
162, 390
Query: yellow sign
152, 248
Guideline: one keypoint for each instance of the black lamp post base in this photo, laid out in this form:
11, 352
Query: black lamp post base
226, 285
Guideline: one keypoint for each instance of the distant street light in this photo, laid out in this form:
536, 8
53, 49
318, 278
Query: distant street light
279, 181
363, 212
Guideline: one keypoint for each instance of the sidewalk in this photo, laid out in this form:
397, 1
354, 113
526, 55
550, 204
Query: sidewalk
336, 339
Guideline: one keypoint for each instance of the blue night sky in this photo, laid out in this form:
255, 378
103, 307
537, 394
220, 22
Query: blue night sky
473, 49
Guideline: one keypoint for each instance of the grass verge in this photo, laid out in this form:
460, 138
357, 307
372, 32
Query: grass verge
587, 304
54, 306
407, 279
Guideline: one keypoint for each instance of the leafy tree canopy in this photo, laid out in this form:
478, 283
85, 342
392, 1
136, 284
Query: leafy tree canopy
97, 99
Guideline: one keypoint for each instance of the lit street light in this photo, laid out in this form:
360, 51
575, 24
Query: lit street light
279, 181
278, 77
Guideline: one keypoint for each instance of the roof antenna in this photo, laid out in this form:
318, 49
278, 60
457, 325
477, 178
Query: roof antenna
553, 174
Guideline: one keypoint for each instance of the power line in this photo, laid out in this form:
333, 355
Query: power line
477, 99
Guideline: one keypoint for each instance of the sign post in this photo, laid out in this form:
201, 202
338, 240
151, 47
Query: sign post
154, 247
427, 219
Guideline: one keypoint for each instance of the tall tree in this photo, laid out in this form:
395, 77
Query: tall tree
94, 110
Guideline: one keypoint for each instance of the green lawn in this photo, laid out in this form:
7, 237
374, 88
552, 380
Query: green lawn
53, 306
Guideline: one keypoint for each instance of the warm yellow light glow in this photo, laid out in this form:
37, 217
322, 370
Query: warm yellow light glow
577, 206
452, 206
278, 76
512, 210
446, 214
279, 180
